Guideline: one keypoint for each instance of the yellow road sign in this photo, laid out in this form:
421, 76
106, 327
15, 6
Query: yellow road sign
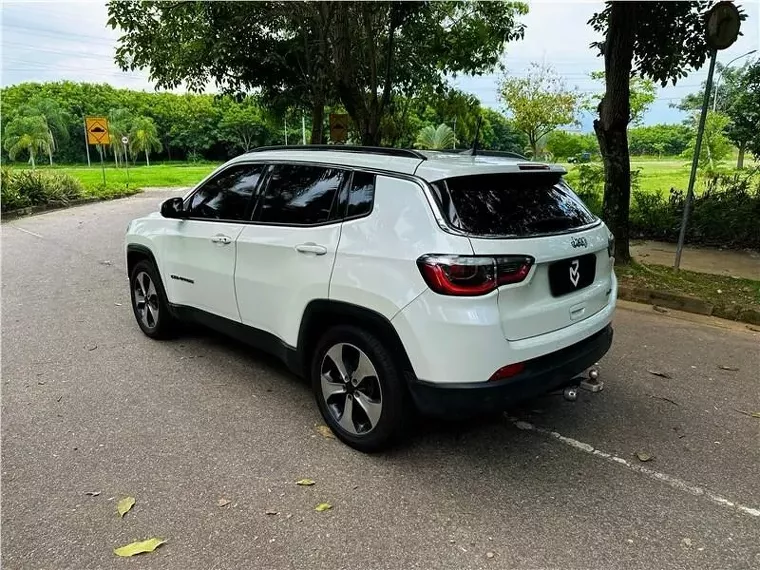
97, 130
338, 127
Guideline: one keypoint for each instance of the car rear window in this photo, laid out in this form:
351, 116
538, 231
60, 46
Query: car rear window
514, 204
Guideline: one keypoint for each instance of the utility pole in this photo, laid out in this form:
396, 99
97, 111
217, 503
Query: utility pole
286, 130
303, 129
455, 133
720, 76
86, 142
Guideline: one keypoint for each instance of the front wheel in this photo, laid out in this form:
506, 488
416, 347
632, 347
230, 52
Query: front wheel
149, 301
359, 389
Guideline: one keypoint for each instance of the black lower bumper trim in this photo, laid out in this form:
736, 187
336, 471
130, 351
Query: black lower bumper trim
541, 375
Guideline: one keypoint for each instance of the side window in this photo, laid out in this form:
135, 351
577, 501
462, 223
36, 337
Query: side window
300, 194
361, 195
228, 195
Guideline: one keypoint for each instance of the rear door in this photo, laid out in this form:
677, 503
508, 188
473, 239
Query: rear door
538, 215
285, 258
199, 252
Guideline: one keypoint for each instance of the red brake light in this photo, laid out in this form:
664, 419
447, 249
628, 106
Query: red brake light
467, 275
507, 371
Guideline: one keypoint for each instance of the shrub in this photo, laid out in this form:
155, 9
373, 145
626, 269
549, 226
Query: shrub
22, 188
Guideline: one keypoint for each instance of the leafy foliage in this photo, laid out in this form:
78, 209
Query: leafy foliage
22, 188
539, 103
642, 95
27, 134
435, 138
668, 140
563, 145
143, 138
715, 145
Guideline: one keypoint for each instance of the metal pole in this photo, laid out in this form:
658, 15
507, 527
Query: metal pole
455, 133
286, 130
695, 160
720, 76
303, 129
86, 144
126, 164
102, 164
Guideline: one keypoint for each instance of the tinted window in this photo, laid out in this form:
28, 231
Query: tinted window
361, 194
518, 204
228, 195
300, 194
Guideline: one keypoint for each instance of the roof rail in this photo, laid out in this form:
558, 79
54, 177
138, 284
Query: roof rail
388, 151
496, 153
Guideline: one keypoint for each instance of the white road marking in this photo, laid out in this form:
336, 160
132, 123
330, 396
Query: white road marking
674, 482
26, 231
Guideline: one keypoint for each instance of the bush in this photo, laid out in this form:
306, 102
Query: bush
22, 188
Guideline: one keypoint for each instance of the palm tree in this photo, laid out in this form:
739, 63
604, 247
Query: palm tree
27, 133
55, 118
119, 121
144, 137
434, 138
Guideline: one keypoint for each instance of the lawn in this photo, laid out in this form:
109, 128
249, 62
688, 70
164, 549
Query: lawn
169, 174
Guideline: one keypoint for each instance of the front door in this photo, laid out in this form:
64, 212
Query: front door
199, 253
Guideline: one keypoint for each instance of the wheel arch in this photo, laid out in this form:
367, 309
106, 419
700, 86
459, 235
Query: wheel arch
137, 253
321, 314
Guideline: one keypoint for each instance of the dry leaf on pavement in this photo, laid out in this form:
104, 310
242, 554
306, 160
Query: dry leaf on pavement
92, 493
644, 456
325, 431
271, 512
124, 505
139, 547
729, 368
222, 502
660, 374
750, 414
305, 482
323, 507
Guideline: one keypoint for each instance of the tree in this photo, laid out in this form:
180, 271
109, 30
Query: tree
661, 42
435, 138
563, 144
143, 137
643, 93
27, 134
119, 125
498, 133
55, 119
715, 145
362, 54
539, 103
244, 126
668, 140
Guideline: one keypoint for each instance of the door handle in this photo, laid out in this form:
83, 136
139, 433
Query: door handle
221, 239
311, 247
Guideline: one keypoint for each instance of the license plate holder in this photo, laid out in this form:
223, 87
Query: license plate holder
572, 274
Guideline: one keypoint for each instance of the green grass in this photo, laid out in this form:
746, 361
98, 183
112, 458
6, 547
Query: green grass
729, 295
172, 174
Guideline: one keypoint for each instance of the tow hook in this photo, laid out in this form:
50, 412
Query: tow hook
590, 382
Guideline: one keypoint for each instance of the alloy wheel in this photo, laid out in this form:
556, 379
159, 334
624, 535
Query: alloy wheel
146, 300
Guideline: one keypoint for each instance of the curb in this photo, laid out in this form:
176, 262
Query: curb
688, 304
40, 208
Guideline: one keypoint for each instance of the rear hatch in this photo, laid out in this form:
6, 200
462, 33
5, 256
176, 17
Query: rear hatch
535, 214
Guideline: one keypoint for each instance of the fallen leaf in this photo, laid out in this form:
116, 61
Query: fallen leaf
222, 502
91, 348
750, 414
663, 398
686, 541
490, 555
59, 398
271, 512
117, 304
660, 374
644, 456
323, 507
139, 547
92, 493
124, 505
325, 431
660, 309
729, 368
305, 482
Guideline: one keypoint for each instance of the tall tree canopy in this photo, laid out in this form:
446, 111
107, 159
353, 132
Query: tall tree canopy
662, 41
307, 54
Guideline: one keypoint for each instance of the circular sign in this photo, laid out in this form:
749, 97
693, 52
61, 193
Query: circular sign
124, 140
723, 22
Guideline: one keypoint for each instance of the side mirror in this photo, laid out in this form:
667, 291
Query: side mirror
173, 208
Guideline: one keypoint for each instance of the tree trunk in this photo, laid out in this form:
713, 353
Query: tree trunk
147, 160
317, 121
740, 160
612, 125
50, 155
31, 157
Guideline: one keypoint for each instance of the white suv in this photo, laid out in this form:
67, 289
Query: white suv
391, 279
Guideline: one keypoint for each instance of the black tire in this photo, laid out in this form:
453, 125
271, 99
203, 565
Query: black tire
164, 324
395, 403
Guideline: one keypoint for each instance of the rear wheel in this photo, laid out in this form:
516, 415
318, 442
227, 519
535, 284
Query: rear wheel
359, 389
149, 301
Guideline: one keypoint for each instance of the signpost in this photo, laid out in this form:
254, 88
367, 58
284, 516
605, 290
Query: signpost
97, 134
722, 29
338, 127
125, 142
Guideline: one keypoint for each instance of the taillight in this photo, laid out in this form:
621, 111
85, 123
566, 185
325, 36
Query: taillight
469, 275
507, 371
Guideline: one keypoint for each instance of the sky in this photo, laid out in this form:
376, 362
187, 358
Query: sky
50, 41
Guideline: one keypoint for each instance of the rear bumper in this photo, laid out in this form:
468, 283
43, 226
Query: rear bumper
541, 375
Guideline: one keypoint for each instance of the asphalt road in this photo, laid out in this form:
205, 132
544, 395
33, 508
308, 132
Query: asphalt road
90, 404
